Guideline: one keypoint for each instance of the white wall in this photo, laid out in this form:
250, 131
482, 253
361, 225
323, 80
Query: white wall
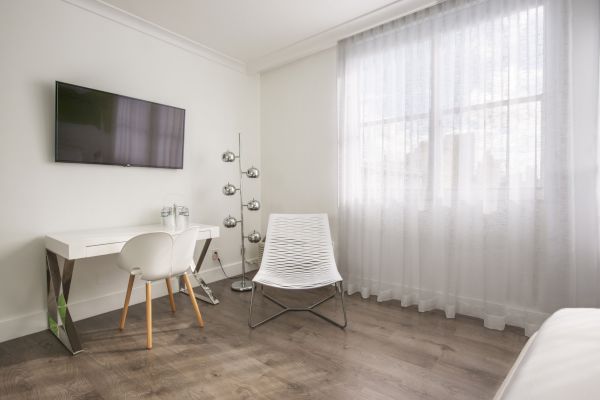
44, 41
586, 42
299, 137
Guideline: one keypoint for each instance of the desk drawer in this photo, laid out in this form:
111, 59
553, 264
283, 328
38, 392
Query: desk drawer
112, 248
103, 249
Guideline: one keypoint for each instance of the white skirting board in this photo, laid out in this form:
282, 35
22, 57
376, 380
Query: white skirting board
36, 322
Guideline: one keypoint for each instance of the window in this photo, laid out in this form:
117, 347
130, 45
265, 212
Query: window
447, 104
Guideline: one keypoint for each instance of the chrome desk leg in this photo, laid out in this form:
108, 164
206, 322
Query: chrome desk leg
208, 297
60, 322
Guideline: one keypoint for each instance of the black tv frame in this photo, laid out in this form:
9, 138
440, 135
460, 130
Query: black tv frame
107, 163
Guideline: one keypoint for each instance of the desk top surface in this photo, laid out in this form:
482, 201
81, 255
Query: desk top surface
73, 244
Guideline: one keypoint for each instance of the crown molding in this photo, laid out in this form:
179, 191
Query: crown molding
141, 25
330, 37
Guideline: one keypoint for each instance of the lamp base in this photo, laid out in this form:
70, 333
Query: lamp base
242, 286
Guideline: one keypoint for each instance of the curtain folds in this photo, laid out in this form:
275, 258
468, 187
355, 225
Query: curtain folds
455, 186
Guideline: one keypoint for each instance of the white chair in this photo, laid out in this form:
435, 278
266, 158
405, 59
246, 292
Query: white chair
157, 256
298, 255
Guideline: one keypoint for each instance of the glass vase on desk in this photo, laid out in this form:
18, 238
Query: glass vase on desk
182, 218
168, 218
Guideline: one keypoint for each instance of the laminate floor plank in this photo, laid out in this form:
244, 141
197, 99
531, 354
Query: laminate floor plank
386, 352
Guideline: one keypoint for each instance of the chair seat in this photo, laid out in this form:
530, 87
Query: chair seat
298, 253
298, 280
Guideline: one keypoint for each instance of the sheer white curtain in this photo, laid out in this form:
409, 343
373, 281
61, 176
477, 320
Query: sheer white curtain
455, 177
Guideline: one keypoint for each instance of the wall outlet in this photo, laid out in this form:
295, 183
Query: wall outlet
215, 254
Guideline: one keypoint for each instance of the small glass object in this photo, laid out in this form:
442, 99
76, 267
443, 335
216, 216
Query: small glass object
167, 217
182, 217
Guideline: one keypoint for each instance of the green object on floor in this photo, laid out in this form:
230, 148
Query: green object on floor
52, 325
62, 307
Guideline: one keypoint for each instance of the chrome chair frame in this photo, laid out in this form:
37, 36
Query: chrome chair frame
338, 287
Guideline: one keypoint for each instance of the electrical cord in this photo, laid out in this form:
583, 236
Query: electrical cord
223, 269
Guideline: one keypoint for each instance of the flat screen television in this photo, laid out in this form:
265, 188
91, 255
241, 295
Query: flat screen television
96, 127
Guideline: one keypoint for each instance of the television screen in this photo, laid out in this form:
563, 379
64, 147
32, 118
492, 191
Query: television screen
97, 127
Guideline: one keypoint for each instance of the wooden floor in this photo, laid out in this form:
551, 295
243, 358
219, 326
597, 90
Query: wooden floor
387, 352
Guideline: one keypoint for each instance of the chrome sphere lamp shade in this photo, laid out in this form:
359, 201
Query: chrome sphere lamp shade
228, 156
252, 172
253, 205
230, 222
229, 190
254, 237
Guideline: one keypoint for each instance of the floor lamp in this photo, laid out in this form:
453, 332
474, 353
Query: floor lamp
253, 205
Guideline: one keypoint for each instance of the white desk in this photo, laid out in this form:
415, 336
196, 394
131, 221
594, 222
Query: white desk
76, 245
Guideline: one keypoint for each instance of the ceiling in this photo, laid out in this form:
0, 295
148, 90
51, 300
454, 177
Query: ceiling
248, 30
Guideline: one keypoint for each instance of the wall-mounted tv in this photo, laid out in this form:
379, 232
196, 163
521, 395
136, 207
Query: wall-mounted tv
96, 127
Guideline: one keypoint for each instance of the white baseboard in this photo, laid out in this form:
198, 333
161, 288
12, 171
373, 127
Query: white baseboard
37, 321
214, 274
22, 325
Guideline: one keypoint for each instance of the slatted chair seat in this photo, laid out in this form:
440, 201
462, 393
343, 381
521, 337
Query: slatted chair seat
298, 255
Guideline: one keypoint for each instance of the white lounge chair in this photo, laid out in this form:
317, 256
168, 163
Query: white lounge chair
298, 255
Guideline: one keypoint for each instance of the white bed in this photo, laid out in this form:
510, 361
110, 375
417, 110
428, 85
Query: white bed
561, 361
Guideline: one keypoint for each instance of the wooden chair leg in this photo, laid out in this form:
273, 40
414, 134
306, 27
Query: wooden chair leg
126, 305
171, 298
190, 290
149, 315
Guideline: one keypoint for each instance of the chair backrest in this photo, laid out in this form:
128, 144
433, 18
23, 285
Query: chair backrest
149, 254
183, 250
298, 252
